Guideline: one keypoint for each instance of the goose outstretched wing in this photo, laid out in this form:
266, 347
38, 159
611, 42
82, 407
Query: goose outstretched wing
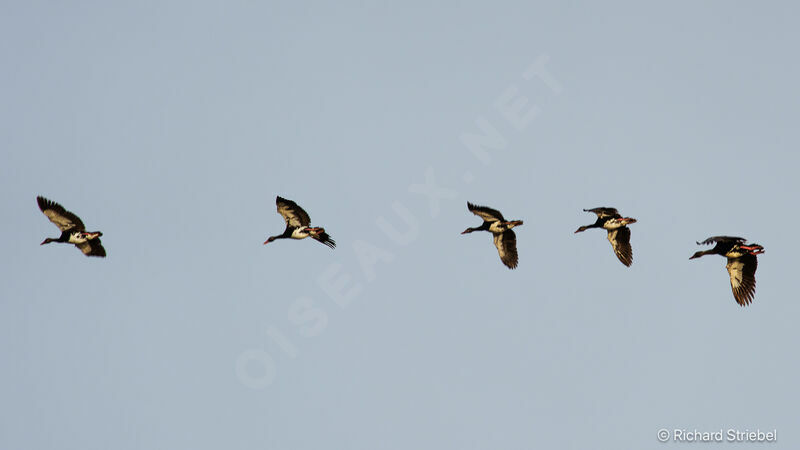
62, 218
486, 213
604, 211
506, 243
621, 243
743, 278
726, 239
325, 238
294, 215
92, 247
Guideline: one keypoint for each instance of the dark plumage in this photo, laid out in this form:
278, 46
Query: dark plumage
72, 229
619, 235
742, 264
504, 238
298, 224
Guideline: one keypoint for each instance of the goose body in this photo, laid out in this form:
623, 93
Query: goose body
619, 235
73, 231
298, 224
504, 237
742, 264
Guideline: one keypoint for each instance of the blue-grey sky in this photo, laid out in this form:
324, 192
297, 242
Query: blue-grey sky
172, 126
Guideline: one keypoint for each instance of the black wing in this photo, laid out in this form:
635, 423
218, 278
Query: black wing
486, 213
725, 239
92, 247
743, 278
604, 211
62, 218
621, 243
506, 243
294, 215
325, 238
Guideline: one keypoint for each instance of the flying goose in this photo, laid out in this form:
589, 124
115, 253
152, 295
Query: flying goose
618, 232
72, 229
742, 264
298, 224
504, 238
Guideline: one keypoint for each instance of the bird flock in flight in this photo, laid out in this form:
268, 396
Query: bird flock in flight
742, 259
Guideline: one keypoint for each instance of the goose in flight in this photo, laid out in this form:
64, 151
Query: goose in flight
618, 232
504, 238
298, 224
742, 264
72, 229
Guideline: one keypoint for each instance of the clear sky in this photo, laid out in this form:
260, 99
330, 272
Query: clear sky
172, 126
